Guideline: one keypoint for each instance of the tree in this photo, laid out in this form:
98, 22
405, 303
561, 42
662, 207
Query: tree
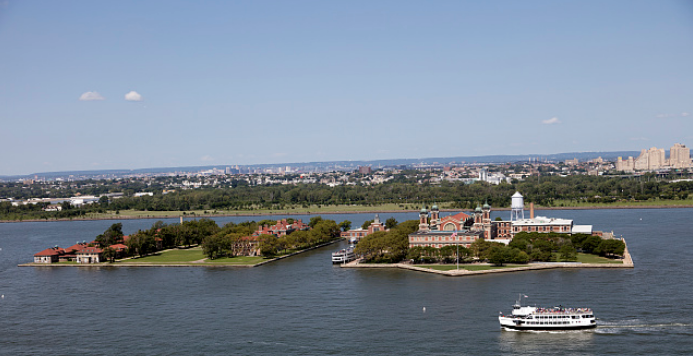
591, 244
314, 221
268, 245
568, 253
215, 246
610, 247
345, 225
414, 254
112, 235
497, 255
109, 254
390, 223
366, 224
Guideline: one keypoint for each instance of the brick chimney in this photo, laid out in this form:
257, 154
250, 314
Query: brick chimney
531, 210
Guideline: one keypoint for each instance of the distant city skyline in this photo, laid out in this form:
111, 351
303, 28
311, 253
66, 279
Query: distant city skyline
129, 85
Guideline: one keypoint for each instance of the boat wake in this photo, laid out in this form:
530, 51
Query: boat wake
640, 326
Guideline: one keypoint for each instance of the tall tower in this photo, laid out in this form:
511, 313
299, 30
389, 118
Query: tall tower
423, 220
486, 213
517, 207
435, 217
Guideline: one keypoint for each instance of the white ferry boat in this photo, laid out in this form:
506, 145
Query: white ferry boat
556, 318
344, 255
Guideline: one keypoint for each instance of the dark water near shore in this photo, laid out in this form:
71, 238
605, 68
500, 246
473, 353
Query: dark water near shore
305, 306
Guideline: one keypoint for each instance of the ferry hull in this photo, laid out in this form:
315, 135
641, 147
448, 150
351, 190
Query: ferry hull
547, 328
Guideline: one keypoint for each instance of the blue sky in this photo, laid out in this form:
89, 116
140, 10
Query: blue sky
246, 82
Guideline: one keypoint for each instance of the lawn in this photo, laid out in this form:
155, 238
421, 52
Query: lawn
625, 203
171, 256
587, 258
236, 261
194, 254
467, 267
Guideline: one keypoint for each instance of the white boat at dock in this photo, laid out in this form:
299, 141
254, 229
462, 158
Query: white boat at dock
344, 255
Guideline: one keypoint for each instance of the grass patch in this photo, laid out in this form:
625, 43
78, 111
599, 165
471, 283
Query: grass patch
587, 258
623, 203
171, 256
236, 261
468, 267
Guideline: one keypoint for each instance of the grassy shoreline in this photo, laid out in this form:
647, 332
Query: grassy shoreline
347, 209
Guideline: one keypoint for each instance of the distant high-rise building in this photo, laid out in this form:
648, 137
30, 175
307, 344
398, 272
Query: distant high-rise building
652, 159
679, 156
365, 169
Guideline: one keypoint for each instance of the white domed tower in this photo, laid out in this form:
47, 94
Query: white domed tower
435, 217
517, 207
423, 220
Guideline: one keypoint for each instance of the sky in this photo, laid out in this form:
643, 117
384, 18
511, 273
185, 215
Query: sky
90, 85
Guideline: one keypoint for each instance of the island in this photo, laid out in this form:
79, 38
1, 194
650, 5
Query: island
195, 243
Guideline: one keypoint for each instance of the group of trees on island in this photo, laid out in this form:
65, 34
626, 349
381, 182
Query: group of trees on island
406, 193
216, 241
393, 246
228, 242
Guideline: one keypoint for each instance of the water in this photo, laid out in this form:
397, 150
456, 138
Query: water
305, 306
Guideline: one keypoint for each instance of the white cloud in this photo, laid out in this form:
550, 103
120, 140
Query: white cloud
551, 121
205, 158
666, 116
91, 95
133, 96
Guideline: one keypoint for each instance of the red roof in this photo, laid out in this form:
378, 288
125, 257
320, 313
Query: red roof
89, 250
459, 216
76, 247
118, 247
53, 251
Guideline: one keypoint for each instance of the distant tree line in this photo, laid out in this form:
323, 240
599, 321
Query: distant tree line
544, 191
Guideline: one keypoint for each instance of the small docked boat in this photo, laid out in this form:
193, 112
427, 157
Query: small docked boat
344, 255
547, 319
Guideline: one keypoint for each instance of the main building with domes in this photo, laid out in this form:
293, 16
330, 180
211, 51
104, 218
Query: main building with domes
464, 229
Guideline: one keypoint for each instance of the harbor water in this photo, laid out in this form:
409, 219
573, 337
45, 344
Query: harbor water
304, 305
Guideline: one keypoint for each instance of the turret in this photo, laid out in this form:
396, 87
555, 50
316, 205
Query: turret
435, 218
423, 220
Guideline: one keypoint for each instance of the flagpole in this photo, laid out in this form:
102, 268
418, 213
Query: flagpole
457, 243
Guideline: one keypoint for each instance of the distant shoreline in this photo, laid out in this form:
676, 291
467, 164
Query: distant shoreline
374, 211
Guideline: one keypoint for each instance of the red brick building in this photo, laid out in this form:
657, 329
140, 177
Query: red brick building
356, 234
281, 228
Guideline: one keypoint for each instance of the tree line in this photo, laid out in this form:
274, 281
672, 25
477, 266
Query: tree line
216, 241
544, 191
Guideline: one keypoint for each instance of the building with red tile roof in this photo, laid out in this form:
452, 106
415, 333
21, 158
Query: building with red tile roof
281, 228
49, 255
89, 255
355, 235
